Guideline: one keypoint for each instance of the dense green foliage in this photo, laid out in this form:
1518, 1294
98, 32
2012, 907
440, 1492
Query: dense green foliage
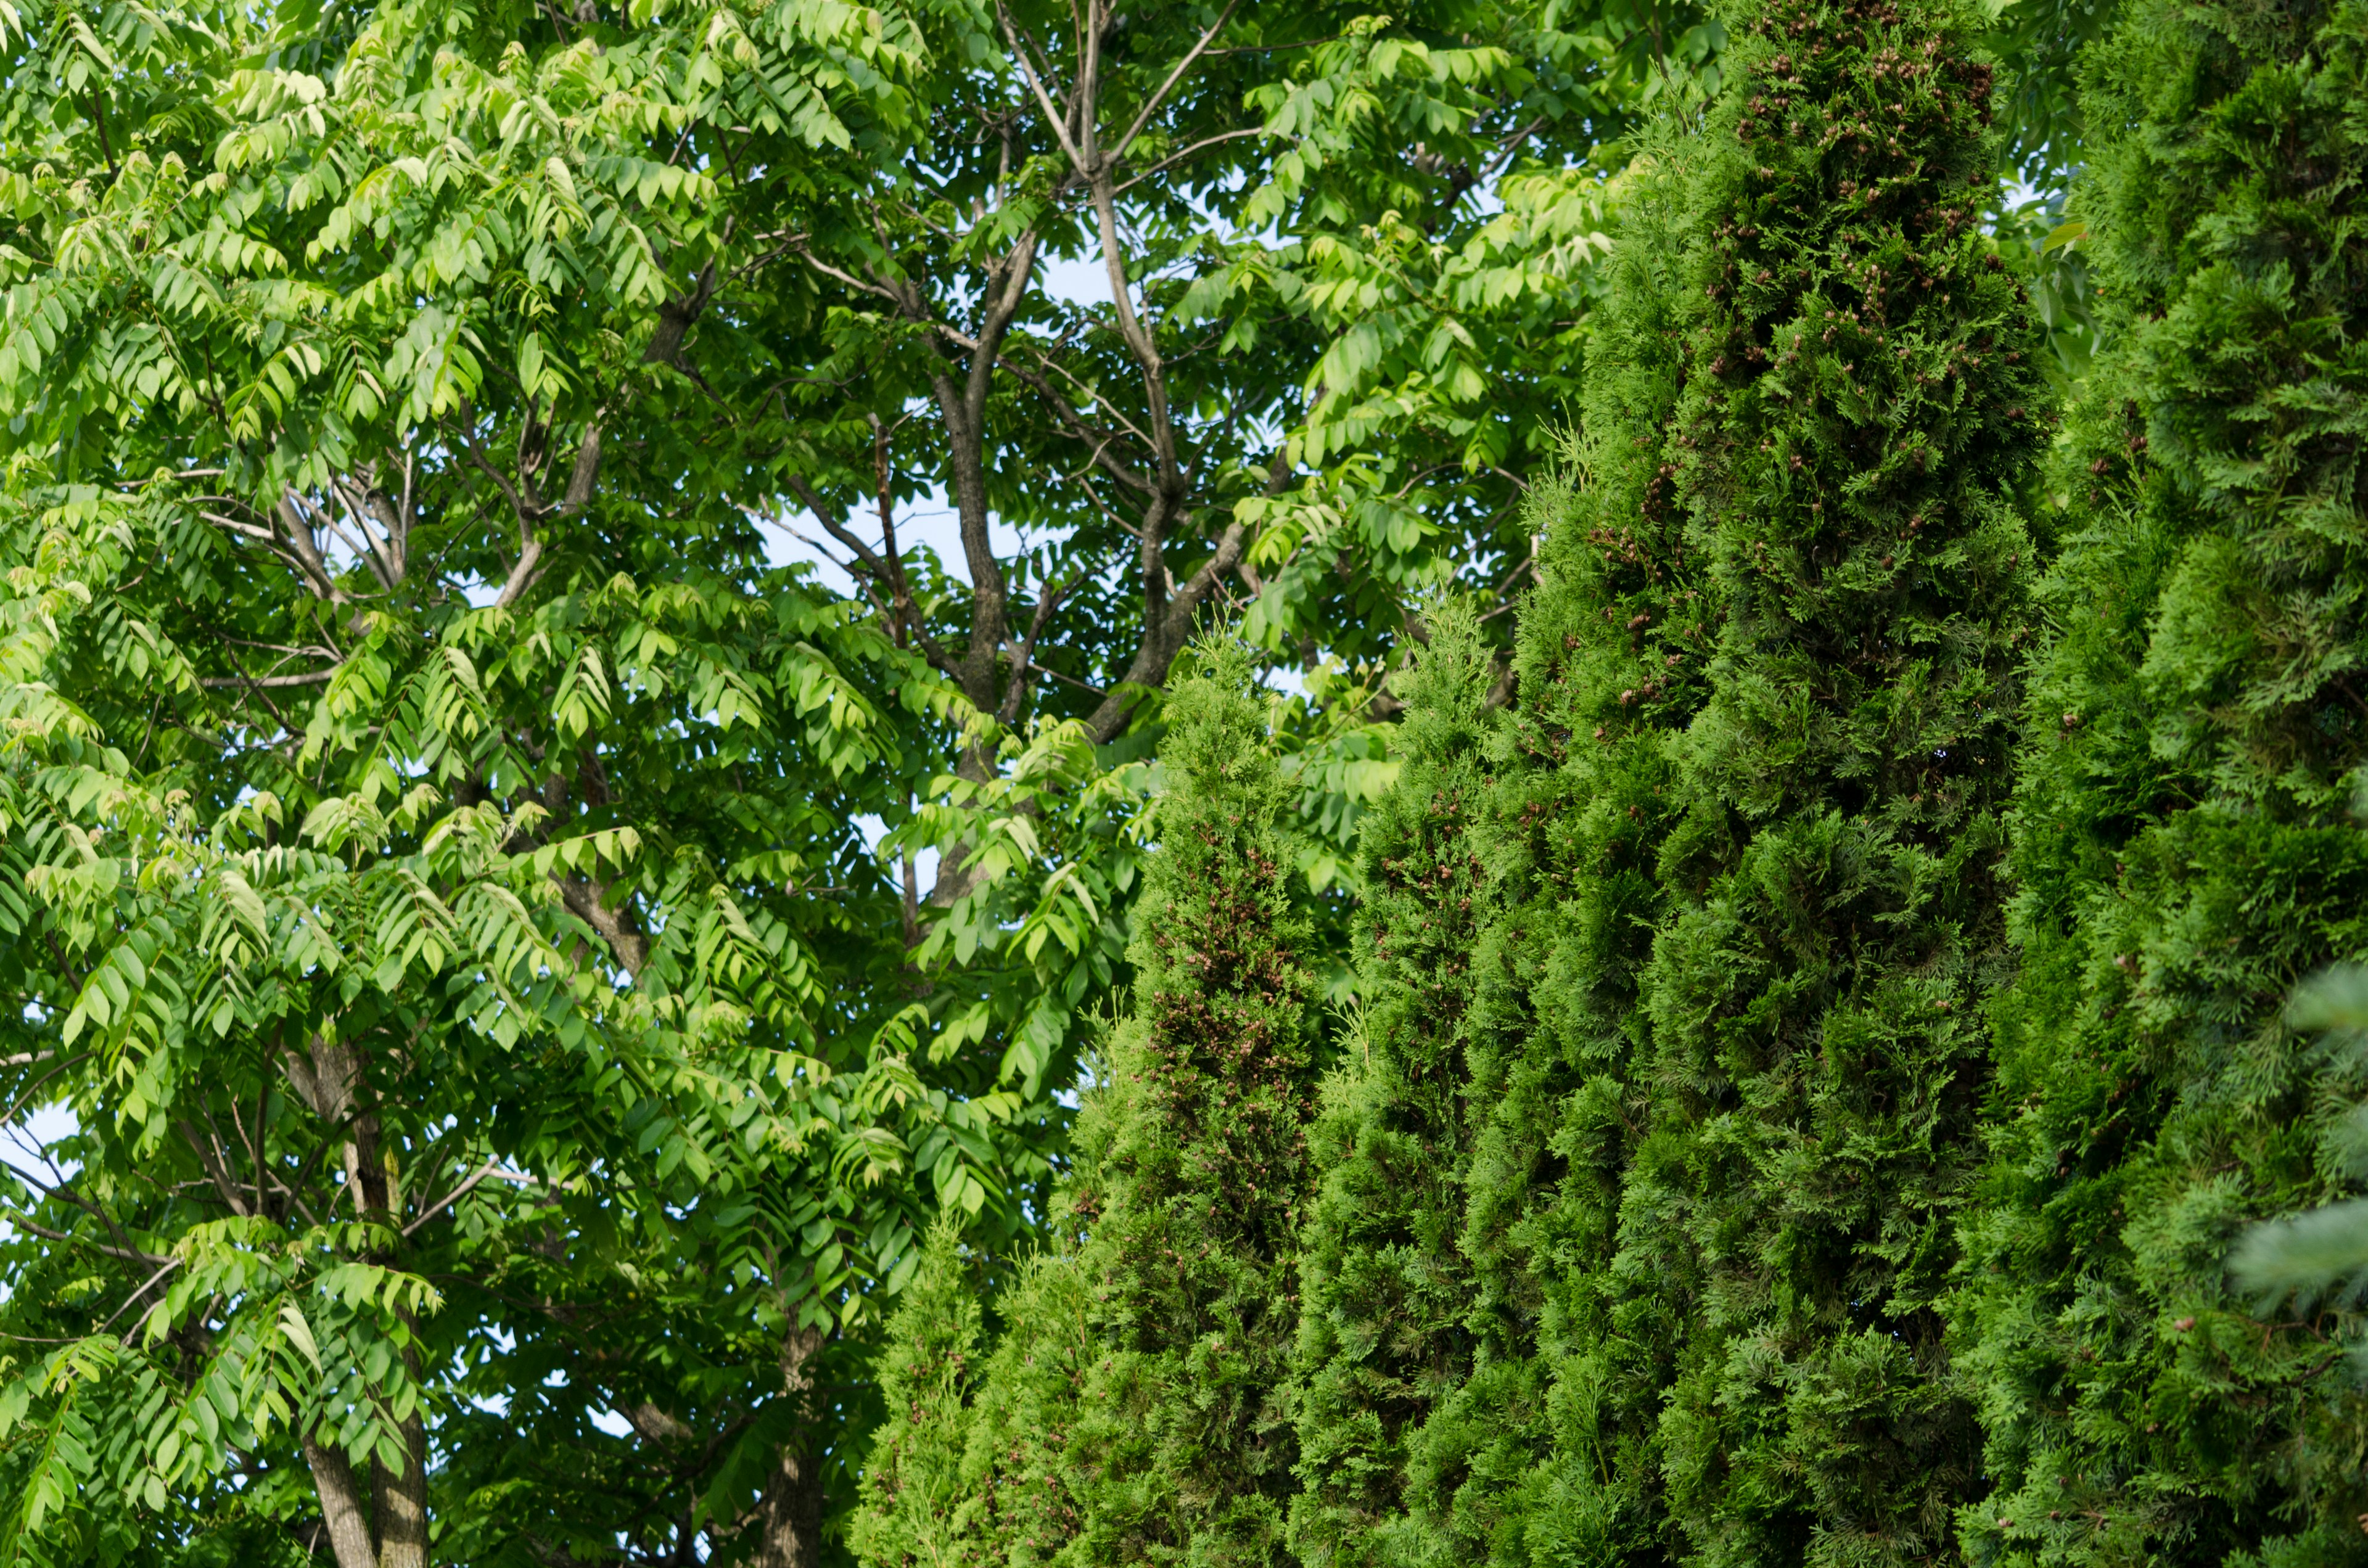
1731, 851
1137, 1409
2183, 848
1814, 1002
1751, 1007
441, 885
1384, 1289
1468, 1151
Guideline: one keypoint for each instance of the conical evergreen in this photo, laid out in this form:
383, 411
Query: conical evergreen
1552, 1437
1193, 1163
1382, 1336
1723, 877
1473, 1156
973, 1462
1869, 411
915, 1505
2183, 844
1136, 1406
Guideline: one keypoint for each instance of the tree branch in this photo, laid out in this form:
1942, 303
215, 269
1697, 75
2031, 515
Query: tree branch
1175, 158
1052, 116
1151, 105
490, 1168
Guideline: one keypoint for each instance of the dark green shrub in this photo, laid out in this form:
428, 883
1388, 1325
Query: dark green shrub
1676, 964
1870, 410
2183, 845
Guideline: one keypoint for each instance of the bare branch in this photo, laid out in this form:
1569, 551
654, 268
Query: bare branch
1496, 164
1151, 105
147, 1285
1016, 694
128, 1254
310, 677
166, 478
490, 1168
1052, 116
1175, 158
307, 551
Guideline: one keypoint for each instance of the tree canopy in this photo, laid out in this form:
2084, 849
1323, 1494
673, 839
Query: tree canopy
464, 865
638, 938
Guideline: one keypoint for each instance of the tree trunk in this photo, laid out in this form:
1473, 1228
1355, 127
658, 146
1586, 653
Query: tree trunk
341, 1505
792, 1512
399, 1503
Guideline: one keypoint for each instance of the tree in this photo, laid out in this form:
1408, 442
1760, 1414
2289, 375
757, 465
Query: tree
2183, 848
1861, 412
1467, 1156
1761, 697
1211, 426
400, 405
1545, 1448
434, 878
1136, 1405
1381, 1336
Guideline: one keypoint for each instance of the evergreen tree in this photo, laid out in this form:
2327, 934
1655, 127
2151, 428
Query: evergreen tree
1193, 1163
1136, 1406
971, 1463
1703, 1180
1552, 1436
915, 1506
1473, 1145
1382, 1336
2182, 843
1859, 411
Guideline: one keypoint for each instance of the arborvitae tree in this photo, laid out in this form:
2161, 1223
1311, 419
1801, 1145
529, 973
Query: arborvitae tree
915, 1507
1861, 412
1509, 917
972, 1462
1136, 1406
2184, 844
1551, 1438
1382, 1335
1193, 1163
1705, 1182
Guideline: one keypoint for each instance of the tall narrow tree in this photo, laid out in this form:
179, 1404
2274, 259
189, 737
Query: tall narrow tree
1862, 410
1469, 1152
2184, 844
1706, 1206
1137, 1406
1382, 1338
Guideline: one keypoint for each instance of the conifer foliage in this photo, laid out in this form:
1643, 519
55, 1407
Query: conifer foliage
1864, 411
1676, 964
1382, 1335
1137, 1407
2184, 844
1470, 1150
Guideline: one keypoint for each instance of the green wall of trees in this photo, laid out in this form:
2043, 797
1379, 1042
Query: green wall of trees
1822, 1022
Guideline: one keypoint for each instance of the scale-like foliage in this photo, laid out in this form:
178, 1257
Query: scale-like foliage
1381, 1338
1471, 1150
2183, 844
1192, 1162
1868, 413
1702, 1050
1135, 1407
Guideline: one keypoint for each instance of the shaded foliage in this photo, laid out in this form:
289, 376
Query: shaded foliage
2183, 845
